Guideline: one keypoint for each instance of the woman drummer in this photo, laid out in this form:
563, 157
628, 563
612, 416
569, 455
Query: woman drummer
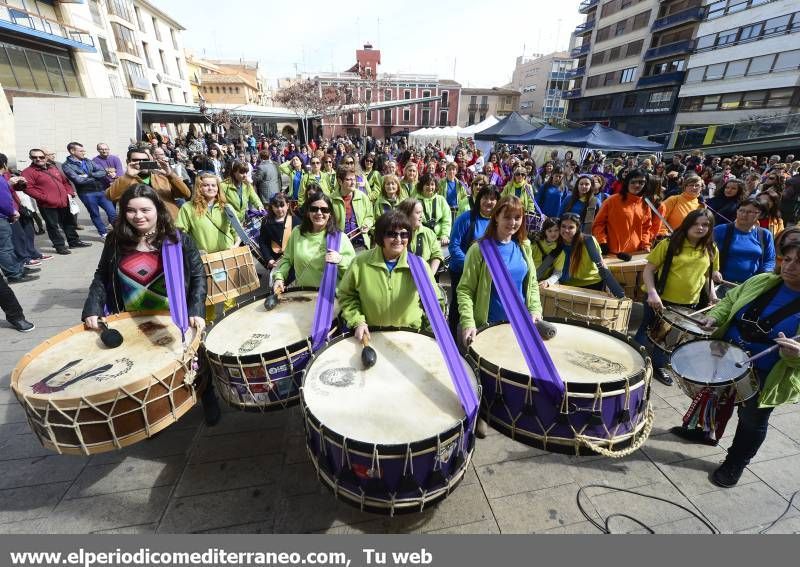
623, 223
272, 239
352, 209
307, 252
435, 210
239, 192
379, 290
789, 235
130, 274
423, 240
677, 271
390, 195
573, 264
760, 313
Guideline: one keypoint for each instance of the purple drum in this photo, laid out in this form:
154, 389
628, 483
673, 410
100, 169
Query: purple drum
257, 356
607, 380
534, 222
390, 439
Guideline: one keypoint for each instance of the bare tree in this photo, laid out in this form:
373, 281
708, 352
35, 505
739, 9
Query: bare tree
370, 87
309, 100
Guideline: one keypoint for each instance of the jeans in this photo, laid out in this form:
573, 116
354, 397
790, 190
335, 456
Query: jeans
10, 263
94, 201
751, 430
8, 302
60, 218
22, 234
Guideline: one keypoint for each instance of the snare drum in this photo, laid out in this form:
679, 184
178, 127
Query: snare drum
703, 365
607, 381
587, 305
670, 330
534, 222
629, 274
229, 274
257, 356
84, 398
390, 439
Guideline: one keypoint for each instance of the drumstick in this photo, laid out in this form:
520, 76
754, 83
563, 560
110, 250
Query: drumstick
353, 233
368, 355
731, 284
685, 316
703, 310
272, 301
658, 214
763, 353
109, 337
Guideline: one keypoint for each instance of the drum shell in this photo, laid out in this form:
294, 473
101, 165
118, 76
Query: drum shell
597, 410
629, 275
263, 381
330, 453
668, 335
588, 306
229, 274
118, 417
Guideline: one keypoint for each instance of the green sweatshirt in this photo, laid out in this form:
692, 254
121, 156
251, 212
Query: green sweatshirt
324, 182
362, 208
212, 232
475, 288
249, 197
306, 254
441, 215
519, 190
431, 248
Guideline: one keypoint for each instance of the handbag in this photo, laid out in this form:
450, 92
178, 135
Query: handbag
74, 207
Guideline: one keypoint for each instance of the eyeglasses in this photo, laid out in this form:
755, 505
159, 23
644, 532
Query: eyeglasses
328, 161
323, 210
392, 234
369, 161
315, 162
348, 162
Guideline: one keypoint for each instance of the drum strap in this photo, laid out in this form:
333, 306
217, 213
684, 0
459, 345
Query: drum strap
452, 358
547, 260
418, 245
541, 367
172, 260
755, 312
323, 311
241, 233
608, 278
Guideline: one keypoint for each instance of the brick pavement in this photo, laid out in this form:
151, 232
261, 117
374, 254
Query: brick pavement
250, 474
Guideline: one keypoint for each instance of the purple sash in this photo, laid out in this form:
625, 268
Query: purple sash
172, 260
541, 367
323, 311
452, 358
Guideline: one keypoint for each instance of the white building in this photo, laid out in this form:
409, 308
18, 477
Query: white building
541, 80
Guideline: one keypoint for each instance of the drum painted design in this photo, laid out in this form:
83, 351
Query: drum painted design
534, 222
84, 398
670, 330
390, 439
229, 274
257, 356
711, 364
629, 274
607, 379
587, 305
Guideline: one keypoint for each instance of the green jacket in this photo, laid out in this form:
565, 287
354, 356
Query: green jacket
374, 184
306, 254
519, 190
436, 208
362, 208
475, 288
431, 248
286, 169
212, 231
783, 381
539, 254
369, 294
249, 197
308, 177
462, 197
381, 201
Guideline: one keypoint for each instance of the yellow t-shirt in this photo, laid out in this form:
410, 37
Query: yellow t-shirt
587, 273
687, 274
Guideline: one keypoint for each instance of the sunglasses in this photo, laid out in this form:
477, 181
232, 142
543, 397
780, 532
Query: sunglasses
392, 234
315, 162
519, 175
570, 216
36, 157
323, 210
348, 162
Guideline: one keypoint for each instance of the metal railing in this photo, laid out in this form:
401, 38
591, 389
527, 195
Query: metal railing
678, 48
675, 77
35, 22
572, 93
582, 49
587, 5
575, 73
584, 27
695, 14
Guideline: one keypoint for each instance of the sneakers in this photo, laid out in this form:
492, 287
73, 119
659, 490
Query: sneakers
63, 251
727, 474
663, 376
32, 262
22, 279
103, 237
44, 257
22, 325
481, 428
693, 435
80, 244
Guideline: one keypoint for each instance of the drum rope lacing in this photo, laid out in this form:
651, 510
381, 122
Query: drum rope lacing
586, 317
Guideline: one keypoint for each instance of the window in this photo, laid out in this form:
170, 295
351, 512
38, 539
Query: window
610, 78
508, 101
156, 29
180, 69
350, 118
163, 61
629, 101
146, 52
780, 97
174, 37
387, 116
787, 60
185, 97
619, 28
599, 104
641, 20
387, 94
471, 119
754, 99
445, 99
426, 104
120, 8
627, 75
406, 94
714, 72
406, 114
483, 116
107, 56
710, 102
613, 53
716, 9
726, 37
170, 95
695, 75
659, 100
139, 19
426, 116
443, 118
634, 48
484, 100
94, 9
736, 68
705, 42
368, 95
730, 101
761, 64
116, 87
155, 91
598, 58
751, 32
777, 25
369, 115
126, 42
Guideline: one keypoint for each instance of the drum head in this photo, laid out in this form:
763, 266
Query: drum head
81, 366
407, 396
682, 322
581, 355
251, 329
708, 362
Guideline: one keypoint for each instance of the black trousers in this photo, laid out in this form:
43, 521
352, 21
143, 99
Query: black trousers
8, 301
60, 218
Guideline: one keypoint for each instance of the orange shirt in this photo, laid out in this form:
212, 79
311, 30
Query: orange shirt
623, 225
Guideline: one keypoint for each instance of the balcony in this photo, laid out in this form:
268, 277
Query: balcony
585, 27
558, 75
575, 73
33, 26
685, 17
664, 79
587, 5
472, 107
581, 50
137, 83
671, 49
572, 93
483, 107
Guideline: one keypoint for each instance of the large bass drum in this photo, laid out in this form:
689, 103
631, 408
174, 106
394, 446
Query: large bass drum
607, 379
392, 438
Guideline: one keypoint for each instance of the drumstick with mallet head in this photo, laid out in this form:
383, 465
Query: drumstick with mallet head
109, 337
272, 301
368, 355
763, 353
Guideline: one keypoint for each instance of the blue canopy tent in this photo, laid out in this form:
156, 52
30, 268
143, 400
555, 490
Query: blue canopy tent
511, 125
596, 137
532, 137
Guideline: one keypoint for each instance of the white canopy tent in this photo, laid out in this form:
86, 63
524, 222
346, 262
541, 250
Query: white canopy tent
469, 131
445, 136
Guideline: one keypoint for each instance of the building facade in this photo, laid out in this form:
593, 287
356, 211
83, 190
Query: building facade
743, 74
478, 104
541, 81
229, 82
631, 62
439, 107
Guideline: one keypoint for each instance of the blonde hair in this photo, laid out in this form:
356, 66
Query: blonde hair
199, 200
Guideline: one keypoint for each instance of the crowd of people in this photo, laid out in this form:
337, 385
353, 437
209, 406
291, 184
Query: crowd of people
702, 221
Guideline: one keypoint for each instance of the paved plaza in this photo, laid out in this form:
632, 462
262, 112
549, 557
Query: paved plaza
250, 473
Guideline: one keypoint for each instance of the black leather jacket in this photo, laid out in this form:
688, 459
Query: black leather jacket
105, 288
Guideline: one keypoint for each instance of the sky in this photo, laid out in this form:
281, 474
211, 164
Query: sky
474, 42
